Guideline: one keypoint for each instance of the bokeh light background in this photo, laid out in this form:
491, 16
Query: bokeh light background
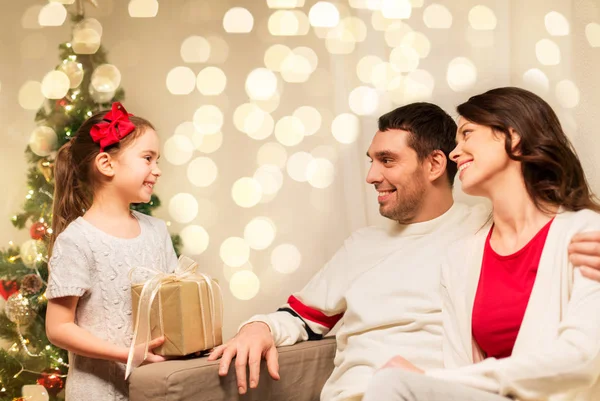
265, 108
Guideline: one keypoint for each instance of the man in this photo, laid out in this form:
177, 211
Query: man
382, 284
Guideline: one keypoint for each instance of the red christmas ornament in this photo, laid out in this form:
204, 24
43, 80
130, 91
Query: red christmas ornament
7, 288
51, 379
62, 102
38, 230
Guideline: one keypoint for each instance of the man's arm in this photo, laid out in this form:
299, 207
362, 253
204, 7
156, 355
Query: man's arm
308, 315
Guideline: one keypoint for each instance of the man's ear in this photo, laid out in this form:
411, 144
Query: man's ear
105, 164
437, 162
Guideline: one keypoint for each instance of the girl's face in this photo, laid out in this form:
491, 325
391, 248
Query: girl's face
481, 158
136, 168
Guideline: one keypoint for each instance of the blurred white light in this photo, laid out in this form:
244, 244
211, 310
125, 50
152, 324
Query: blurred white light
30, 18
260, 233
229, 271
246, 192
324, 14
253, 121
211, 81
396, 32
285, 3
234, 251
547, 52
143, 8
418, 42
365, 66
219, 50
536, 81
296, 68
238, 20
289, 131
55, 85
482, 18
320, 173
556, 24
567, 94
52, 14
272, 153
244, 285
286, 258
437, 16
31, 96
396, 9
195, 240
288, 23
261, 84
592, 33
418, 86
85, 41
202, 172
297, 166
270, 178
195, 49
345, 128
178, 149
275, 56
340, 41
43, 141
363, 100
181, 81
461, 74
183, 207
210, 143
310, 118
404, 59
208, 119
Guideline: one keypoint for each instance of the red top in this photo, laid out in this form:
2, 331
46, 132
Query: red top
502, 295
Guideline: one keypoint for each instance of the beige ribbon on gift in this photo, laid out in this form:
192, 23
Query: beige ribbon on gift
185, 270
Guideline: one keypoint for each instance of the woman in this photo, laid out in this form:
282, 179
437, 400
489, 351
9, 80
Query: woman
520, 321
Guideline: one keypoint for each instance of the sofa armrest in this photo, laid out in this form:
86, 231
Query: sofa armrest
303, 368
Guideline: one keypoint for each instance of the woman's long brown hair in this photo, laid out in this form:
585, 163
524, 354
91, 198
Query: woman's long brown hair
551, 170
75, 174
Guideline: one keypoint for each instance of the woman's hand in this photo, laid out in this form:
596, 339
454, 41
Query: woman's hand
400, 362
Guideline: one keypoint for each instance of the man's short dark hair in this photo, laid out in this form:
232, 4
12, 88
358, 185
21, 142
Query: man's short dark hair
430, 128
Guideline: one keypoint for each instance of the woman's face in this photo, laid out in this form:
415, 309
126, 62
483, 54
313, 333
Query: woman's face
481, 158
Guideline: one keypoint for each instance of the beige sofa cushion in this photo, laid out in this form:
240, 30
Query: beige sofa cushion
303, 369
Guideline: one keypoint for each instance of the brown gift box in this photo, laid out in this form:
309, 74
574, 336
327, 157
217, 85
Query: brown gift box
182, 313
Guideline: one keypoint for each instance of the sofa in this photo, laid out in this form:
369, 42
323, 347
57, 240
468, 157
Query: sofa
303, 368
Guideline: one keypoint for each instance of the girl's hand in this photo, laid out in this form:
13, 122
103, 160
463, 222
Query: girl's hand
400, 362
153, 358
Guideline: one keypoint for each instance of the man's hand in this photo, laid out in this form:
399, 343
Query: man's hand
249, 346
584, 252
402, 363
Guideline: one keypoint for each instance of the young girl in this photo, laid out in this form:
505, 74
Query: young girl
110, 163
521, 320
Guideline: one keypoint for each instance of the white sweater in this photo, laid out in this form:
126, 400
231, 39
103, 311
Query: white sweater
384, 286
557, 352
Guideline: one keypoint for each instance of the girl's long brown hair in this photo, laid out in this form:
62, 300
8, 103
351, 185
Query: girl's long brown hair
75, 174
551, 170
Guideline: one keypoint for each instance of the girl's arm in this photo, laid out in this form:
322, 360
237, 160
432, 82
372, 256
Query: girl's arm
64, 333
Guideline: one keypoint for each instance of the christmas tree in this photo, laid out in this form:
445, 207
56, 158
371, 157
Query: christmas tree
82, 84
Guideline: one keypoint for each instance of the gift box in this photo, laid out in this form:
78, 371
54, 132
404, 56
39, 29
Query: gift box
185, 307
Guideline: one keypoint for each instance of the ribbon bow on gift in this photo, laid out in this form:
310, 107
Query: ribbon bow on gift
185, 271
114, 127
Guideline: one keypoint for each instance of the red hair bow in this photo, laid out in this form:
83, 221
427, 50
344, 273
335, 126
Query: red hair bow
114, 127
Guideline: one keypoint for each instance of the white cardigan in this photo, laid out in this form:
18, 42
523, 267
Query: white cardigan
557, 352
